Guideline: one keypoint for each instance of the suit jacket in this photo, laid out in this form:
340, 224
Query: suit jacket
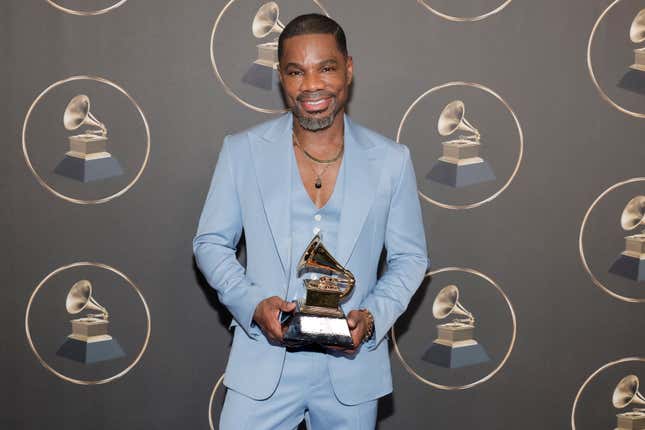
249, 190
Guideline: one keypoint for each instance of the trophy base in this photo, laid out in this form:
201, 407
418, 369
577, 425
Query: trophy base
454, 356
90, 351
460, 175
633, 80
262, 77
631, 421
306, 328
629, 267
86, 170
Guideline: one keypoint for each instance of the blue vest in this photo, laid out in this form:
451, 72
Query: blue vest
307, 220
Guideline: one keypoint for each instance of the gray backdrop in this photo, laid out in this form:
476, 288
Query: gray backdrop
532, 53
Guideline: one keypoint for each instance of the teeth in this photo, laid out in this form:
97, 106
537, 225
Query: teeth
315, 103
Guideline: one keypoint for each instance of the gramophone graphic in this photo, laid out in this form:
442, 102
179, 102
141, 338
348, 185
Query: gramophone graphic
455, 346
626, 393
319, 318
89, 341
637, 35
263, 71
631, 262
634, 79
460, 165
87, 158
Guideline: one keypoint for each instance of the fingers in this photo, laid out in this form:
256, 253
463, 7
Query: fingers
351, 322
287, 306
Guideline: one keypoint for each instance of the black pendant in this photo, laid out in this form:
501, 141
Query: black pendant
318, 184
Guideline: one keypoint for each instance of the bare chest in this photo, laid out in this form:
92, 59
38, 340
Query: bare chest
311, 173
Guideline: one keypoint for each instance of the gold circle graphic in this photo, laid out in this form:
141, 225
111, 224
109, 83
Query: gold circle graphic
85, 12
602, 93
464, 18
48, 187
226, 87
591, 377
581, 251
82, 381
501, 364
211, 400
517, 124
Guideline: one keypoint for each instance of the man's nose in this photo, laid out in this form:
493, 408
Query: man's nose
312, 82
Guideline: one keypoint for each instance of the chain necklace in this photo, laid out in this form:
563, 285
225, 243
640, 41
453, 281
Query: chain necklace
318, 175
318, 160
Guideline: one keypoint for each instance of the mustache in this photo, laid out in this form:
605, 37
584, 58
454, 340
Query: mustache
312, 95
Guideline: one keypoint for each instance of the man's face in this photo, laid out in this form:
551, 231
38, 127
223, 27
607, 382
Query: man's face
315, 77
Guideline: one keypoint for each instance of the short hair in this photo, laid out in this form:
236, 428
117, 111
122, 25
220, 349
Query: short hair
313, 23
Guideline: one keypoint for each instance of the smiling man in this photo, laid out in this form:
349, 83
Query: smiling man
311, 171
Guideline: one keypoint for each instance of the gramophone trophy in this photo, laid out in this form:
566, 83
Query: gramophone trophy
87, 158
89, 341
455, 346
263, 71
319, 318
631, 262
626, 393
637, 35
460, 165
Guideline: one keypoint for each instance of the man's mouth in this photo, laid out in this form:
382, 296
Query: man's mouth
316, 105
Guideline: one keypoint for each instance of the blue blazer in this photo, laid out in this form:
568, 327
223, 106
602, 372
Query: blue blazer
250, 191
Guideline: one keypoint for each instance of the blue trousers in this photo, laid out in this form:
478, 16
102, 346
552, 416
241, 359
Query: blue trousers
304, 392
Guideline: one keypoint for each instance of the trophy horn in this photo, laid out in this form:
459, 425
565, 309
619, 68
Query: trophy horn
634, 213
626, 393
447, 303
80, 299
266, 20
453, 118
317, 258
77, 113
637, 29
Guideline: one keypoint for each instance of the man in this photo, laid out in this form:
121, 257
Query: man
311, 171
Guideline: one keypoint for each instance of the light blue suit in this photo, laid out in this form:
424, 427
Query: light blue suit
249, 190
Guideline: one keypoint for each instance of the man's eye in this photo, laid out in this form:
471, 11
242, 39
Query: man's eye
294, 73
328, 69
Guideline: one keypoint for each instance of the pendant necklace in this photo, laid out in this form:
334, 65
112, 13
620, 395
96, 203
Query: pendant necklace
318, 175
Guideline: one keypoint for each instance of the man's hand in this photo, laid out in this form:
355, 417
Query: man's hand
266, 316
357, 322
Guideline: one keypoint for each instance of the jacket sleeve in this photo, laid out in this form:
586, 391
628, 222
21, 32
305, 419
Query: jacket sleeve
214, 246
407, 259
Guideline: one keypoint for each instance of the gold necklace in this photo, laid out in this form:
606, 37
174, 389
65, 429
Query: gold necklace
318, 182
318, 160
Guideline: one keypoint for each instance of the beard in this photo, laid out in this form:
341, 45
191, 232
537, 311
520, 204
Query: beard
316, 123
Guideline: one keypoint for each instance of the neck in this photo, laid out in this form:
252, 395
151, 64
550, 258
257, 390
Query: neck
328, 139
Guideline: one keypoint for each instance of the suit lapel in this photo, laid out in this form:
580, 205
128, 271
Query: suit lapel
361, 180
272, 165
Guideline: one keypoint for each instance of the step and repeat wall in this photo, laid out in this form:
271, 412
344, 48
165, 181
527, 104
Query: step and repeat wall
525, 123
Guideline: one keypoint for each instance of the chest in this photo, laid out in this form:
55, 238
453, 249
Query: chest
312, 173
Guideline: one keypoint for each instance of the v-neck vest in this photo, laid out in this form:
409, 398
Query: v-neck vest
307, 220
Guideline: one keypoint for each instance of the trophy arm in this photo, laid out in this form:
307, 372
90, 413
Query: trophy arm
350, 281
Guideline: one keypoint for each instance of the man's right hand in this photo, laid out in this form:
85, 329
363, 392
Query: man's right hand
267, 313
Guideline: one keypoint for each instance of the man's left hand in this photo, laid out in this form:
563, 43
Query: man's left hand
357, 322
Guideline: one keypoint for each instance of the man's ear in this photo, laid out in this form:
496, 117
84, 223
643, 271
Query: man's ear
280, 74
349, 67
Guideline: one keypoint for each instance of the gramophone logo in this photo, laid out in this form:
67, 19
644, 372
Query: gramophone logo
460, 165
631, 262
626, 393
87, 159
637, 35
266, 24
455, 346
89, 341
